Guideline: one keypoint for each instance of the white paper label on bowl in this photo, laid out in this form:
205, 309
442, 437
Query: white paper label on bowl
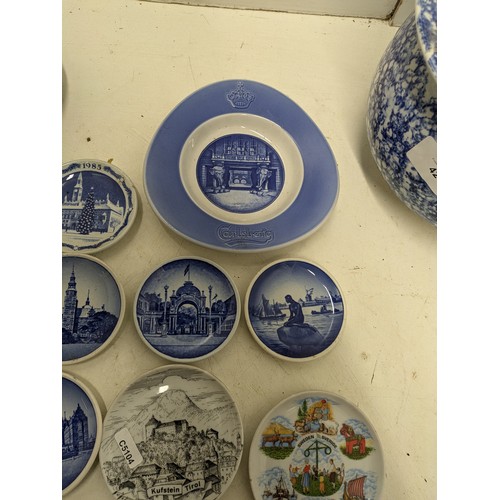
423, 157
128, 448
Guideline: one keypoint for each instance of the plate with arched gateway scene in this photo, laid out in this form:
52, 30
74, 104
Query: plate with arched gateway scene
316, 444
187, 309
175, 432
239, 166
99, 205
295, 310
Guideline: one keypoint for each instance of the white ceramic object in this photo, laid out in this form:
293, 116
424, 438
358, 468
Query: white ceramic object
175, 432
316, 445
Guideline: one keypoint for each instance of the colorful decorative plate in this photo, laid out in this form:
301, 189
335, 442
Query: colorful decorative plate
187, 309
295, 310
316, 445
99, 204
173, 433
93, 305
239, 166
81, 431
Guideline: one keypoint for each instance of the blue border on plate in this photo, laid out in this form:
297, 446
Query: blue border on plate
173, 205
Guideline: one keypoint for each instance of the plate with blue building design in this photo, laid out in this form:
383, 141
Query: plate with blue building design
81, 431
174, 432
187, 309
93, 306
295, 310
99, 204
239, 166
316, 445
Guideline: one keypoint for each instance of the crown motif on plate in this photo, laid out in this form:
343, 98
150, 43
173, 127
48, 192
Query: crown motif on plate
240, 98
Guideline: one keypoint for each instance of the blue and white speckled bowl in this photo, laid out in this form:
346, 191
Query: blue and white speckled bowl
402, 108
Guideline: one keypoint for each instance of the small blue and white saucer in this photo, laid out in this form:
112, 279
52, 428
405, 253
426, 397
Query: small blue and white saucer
81, 431
187, 309
93, 306
294, 310
239, 166
173, 433
99, 204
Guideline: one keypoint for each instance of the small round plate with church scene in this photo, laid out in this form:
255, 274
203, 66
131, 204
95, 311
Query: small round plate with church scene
99, 204
295, 310
81, 431
239, 166
316, 444
187, 309
173, 433
93, 306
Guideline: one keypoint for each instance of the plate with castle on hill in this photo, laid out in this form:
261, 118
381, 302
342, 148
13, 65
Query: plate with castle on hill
239, 166
175, 432
99, 205
81, 431
93, 307
316, 445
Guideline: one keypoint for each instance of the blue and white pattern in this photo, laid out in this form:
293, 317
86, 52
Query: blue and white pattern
98, 205
187, 309
291, 214
402, 112
81, 431
294, 310
240, 173
93, 306
426, 16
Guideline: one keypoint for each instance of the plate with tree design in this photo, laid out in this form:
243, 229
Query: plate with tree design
99, 205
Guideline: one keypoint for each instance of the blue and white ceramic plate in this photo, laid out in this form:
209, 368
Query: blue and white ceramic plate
316, 445
239, 166
173, 433
81, 431
99, 204
187, 309
295, 310
93, 306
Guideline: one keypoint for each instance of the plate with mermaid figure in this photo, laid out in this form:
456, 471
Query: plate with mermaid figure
295, 310
316, 444
173, 433
239, 166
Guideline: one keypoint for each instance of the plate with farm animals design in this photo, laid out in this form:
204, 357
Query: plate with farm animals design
99, 204
316, 444
81, 431
239, 166
173, 433
294, 310
187, 309
93, 306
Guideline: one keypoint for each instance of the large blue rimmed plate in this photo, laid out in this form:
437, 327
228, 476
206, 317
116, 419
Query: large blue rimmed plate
239, 166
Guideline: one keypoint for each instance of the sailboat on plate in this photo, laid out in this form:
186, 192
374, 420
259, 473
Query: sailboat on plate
267, 311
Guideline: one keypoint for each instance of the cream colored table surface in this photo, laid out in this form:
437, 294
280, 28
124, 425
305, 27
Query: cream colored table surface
126, 66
